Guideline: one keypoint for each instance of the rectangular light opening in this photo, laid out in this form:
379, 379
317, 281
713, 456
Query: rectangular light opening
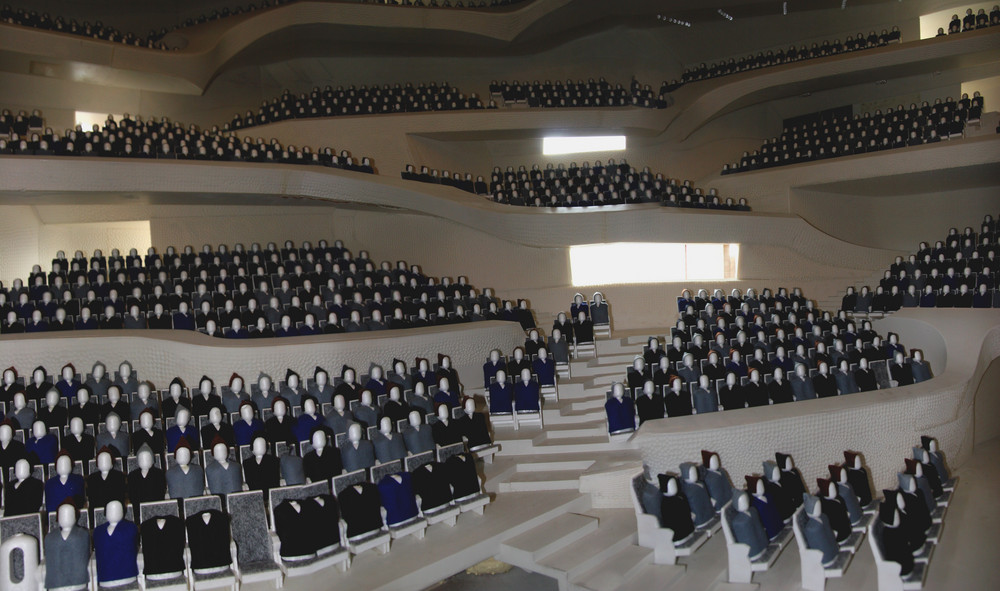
552, 146
652, 262
87, 119
931, 22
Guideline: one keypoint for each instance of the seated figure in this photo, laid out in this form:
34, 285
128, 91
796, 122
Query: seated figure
697, 494
766, 505
746, 524
675, 513
817, 531
716, 479
356, 453
620, 410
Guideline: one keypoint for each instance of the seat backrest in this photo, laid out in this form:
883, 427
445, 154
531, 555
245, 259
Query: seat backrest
101, 519
23, 524
345, 480
876, 541
249, 526
798, 526
195, 505
637, 483
727, 515
159, 509
83, 520
443, 453
279, 494
314, 489
415, 461
380, 471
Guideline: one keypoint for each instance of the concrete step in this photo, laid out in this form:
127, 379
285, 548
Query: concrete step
578, 462
501, 469
625, 357
616, 532
590, 402
577, 429
571, 388
541, 480
611, 574
600, 369
566, 414
653, 576
593, 443
524, 549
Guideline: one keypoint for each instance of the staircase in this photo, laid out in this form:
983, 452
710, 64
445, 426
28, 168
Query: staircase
584, 550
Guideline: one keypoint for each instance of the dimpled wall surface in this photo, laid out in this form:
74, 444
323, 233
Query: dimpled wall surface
159, 356
882, 425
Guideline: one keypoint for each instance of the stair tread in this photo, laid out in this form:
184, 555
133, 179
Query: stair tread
611, 573
544, 475
585, 440
582, 424
616, 526
550, 532
652, 576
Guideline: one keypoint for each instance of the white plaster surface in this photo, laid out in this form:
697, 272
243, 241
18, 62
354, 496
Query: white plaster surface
520, 252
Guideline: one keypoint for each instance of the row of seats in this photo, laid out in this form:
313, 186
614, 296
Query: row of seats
56, 401
821, 137
327, 291
165, 140
748, 365
971, 22
280, 419
678, 513
99, 30
559, 94
600, 184
956, 272
243, 536
358, 101
778, 57
155, 38
446, 178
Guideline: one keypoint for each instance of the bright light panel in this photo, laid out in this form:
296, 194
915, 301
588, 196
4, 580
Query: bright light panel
88, 119
929, 23
579, 144
651, 262
705, 261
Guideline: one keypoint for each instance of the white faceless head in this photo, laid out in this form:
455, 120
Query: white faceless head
385, 426
145, 459
66, 517
220, 451
64, 465
76, 426
104, 462
354, 433
183, 456
319, 438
